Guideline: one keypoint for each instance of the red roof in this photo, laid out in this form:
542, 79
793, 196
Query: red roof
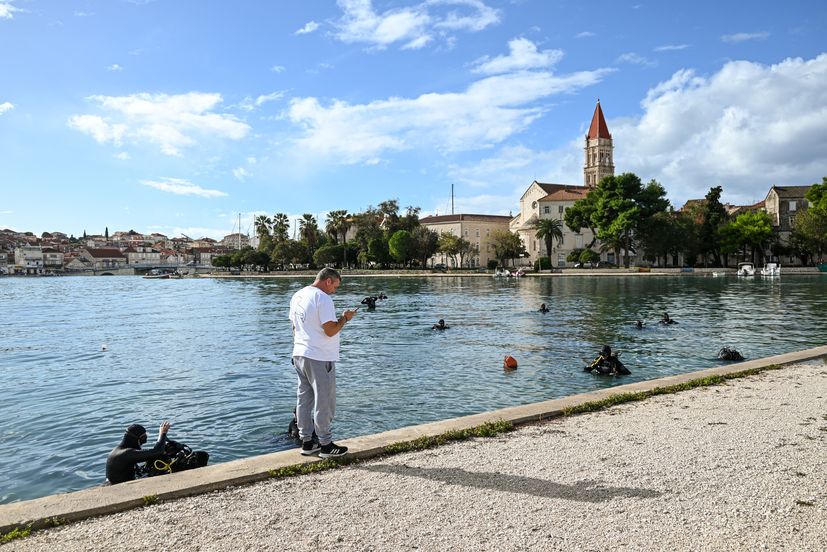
598, 129
570, 194
105, 253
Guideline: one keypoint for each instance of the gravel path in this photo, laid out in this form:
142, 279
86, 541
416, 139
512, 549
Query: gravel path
741, 466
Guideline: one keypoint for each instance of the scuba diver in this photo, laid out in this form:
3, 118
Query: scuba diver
122, 462
639, 324
666, 320
607, 363
370, 301
293, 430
440, 325
382, 295
543, 308
729, 354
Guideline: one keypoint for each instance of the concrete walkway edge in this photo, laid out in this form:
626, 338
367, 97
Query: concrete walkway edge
75, 506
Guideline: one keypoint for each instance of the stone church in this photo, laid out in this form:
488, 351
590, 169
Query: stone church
543, 200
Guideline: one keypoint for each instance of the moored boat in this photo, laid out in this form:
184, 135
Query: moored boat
746, 269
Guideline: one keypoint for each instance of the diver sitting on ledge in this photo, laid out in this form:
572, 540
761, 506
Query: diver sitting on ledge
122, 462
608, 364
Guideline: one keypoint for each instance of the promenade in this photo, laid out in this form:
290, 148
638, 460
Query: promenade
737, 466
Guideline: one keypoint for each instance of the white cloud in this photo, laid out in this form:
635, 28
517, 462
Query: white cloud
486, 113
309, 28
278, 68
84, 14
180, 186
523, 55
114, 67
170, 122
6, 106
413, 26
634, 59
273, 96
240, 173
742, 37
671, 47
252, 160
746, 127
585, 34
123, 156
7, 10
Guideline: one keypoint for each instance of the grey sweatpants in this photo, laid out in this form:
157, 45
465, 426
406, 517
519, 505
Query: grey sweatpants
315, 397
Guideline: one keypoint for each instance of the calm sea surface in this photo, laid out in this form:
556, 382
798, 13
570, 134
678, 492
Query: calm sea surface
214, 355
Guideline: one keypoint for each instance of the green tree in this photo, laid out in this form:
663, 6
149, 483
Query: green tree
550, 231
589, 256
506, 245
754, 230
450, 245
378, 251
810, 231
713, 216
817, 194
309, 231
425, 244
399, 246
617, 208
389, 211
262, 225
329, 254
338, 225
410, 221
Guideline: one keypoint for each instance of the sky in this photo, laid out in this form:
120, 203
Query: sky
177, 116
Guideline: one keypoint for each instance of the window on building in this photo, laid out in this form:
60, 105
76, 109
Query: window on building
487, 232
560, 209
792, 206
561, 260
478, 232
578, 241
545, 210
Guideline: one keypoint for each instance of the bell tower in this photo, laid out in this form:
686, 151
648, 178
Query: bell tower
599, 156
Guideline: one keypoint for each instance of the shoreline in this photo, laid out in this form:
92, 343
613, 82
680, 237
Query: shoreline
97, 501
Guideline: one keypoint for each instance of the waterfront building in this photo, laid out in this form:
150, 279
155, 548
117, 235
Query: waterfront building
235, 241
141, 255
550, 201
783, 203
28, 259
52, 259
204, 243
103, 257
476, 229
73, 264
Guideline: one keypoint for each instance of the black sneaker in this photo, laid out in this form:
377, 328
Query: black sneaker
309, 448
332, 450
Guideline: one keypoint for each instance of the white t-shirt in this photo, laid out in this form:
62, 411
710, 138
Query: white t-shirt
310, 307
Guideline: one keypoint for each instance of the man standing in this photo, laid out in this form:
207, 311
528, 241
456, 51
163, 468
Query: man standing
315, 352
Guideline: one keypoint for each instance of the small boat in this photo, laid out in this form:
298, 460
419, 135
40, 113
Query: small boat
502, 274
162, 274
771, 269
746, 269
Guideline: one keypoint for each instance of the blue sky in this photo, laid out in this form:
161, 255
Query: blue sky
174, 116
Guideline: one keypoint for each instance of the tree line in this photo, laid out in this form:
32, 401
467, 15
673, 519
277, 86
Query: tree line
384, 237
627, 216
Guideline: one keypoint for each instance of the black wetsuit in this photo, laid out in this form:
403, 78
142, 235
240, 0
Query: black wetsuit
370, 302
121, 462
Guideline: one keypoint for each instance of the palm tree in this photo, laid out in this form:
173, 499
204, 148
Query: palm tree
549, 230
263, 223
337, 224
309, 230
613, 243
281, 225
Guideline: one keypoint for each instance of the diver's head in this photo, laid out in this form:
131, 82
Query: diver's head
606, 351
135, 435
441, 322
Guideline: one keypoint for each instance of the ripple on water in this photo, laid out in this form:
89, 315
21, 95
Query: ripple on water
214, 356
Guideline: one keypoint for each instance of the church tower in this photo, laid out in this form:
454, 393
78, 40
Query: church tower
599, 160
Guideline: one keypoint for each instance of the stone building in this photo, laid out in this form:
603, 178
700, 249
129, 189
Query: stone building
476, 229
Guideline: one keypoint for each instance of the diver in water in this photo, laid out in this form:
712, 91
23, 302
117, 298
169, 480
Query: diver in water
440, 325
666, 320
293, 430
543, 308
607, 363
382, 295
729, 354
639, 324
123, 460
370, 301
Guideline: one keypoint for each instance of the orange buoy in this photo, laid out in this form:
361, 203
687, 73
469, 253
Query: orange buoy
509, 363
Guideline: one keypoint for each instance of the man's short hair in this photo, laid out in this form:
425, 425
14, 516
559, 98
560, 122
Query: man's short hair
326, 273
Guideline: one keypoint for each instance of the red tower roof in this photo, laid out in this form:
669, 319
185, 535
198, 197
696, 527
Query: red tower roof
598, 128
